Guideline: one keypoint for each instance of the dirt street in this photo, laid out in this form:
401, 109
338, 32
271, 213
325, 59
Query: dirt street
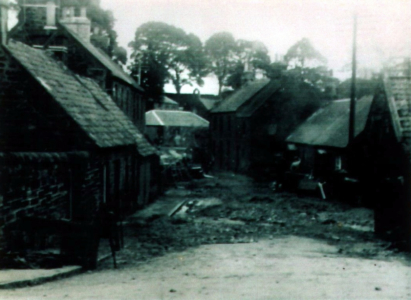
231, 238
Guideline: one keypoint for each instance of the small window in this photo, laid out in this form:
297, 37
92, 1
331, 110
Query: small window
338, 163
77, 12
272, 129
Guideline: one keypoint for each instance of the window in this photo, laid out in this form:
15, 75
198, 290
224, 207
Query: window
77, 12
338, 163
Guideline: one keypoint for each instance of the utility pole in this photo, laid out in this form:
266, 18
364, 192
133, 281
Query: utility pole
351, 132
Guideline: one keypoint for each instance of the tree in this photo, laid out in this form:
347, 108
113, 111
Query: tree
251, 56
120, 55
221, 52
276, 70
104, 36
302, 53
308, 64
168, 53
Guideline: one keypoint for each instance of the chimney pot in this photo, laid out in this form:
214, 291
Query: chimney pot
78, 23
4, 7
83, 12
51, 15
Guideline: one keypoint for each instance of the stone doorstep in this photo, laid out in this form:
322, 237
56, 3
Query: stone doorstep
12, 279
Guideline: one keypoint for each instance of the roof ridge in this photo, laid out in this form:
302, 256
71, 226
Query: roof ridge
105, 60
86, 104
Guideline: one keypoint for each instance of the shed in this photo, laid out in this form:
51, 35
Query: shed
248, 129
174, 128
322, 140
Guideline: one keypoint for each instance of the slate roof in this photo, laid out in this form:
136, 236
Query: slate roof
249, 107
190, 102
82, 99
209, 103
166, 100
103, 58
174, 118
329, 125
233, 102
44, 156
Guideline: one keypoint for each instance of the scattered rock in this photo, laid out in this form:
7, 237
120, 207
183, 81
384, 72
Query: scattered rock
335, 238
328, 221
258, 199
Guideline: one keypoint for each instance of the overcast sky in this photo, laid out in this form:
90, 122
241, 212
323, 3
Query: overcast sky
384, 26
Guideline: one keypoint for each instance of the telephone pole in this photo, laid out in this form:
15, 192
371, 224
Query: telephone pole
351, 132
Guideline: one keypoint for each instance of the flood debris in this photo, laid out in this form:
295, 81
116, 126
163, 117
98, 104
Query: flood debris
234, 209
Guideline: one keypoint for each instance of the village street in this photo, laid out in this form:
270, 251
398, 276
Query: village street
231, 238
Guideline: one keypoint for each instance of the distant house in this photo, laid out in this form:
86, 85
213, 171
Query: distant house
65, 147
167, 104
175, 128
322, 140
196, 103
249, 127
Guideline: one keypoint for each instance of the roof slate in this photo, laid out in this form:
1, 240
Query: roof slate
103, 58
208, 103
190, 102
83, 100
329, 125
249, 107
232, 103
174, 118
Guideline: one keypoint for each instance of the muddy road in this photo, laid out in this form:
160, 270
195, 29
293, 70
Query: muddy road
230, 209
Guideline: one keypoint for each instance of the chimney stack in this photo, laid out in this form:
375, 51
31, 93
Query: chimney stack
4, 7
51, 15
76, 20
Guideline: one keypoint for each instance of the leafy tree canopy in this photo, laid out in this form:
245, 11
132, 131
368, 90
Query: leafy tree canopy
164, 53
104, 36
221, 51
251, 56
276, 70
308, 64
302, 53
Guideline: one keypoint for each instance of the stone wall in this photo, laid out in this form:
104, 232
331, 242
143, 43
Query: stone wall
31, 189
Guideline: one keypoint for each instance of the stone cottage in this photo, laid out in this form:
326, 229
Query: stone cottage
66, 146
62, 28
